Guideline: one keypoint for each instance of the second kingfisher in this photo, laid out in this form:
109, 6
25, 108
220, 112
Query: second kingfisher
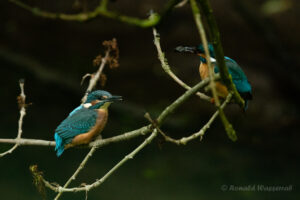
238, 76
85, 122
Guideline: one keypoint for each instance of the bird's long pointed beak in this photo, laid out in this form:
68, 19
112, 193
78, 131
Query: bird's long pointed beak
184, 49
115, 98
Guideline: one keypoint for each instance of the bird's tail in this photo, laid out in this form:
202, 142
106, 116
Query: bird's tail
59, 148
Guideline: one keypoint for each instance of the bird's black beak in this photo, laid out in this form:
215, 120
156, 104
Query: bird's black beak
182, 49
115, 98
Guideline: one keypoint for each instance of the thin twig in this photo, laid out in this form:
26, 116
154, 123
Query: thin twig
182, 3
155, 125
94, 79
22, 105
102, 10
228, 127
200, 133
171, 108
81, 166
97, 183
167, 68
215, 36
200, 28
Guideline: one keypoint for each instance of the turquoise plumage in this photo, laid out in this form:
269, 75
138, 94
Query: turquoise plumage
239, 78
79, 122
84, 122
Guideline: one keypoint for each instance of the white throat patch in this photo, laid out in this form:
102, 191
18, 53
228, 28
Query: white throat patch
212, 59
87, 105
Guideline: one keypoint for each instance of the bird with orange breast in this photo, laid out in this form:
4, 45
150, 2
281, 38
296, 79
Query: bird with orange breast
85, 122
239, 78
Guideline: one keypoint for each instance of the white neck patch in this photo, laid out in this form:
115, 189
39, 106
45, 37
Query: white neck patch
87, 105
212, 59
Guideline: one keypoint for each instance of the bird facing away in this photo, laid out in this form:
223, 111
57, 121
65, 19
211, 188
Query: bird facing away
85, 122
238, 76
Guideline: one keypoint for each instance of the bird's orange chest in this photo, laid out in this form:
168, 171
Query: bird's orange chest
85, 138
203, 70
204, 73
101, 120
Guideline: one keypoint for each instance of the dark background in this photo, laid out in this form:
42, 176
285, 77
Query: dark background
53, 55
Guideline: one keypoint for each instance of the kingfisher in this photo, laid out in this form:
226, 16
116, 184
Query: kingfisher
239, 78
85, 122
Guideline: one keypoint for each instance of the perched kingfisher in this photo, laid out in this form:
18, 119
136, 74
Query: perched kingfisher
238, 76
85, 122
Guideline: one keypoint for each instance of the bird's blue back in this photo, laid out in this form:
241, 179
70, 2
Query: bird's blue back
239, 79
238, 76
78, 122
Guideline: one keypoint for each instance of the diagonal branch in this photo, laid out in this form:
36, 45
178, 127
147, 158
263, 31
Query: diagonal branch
215, 36
97, 183
200, 28
228, 127
200, 133
22, 105
80, 167
94, 78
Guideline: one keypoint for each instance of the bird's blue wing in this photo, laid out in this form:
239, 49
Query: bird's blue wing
239, 78
77, 123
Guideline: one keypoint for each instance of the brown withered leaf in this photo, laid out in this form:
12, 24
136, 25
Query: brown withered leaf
103, 79
112, 47
38, 180
21, 102
97, 60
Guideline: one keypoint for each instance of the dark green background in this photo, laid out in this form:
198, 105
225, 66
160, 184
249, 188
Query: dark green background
53, 55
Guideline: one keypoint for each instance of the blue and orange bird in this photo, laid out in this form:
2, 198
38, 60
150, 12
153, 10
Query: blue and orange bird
238, 76
85, 122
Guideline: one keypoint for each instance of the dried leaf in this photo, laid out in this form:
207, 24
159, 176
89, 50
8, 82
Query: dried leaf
103, 79
38, 180
112, 47
97, 60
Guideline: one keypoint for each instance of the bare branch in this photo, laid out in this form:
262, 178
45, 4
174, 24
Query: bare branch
98, 143
215, 36
171, 108
94, 79
81, 166
108, 174
202, 131
228, 127
22, 105
27, 142
182, 3
200, 27
101, 10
